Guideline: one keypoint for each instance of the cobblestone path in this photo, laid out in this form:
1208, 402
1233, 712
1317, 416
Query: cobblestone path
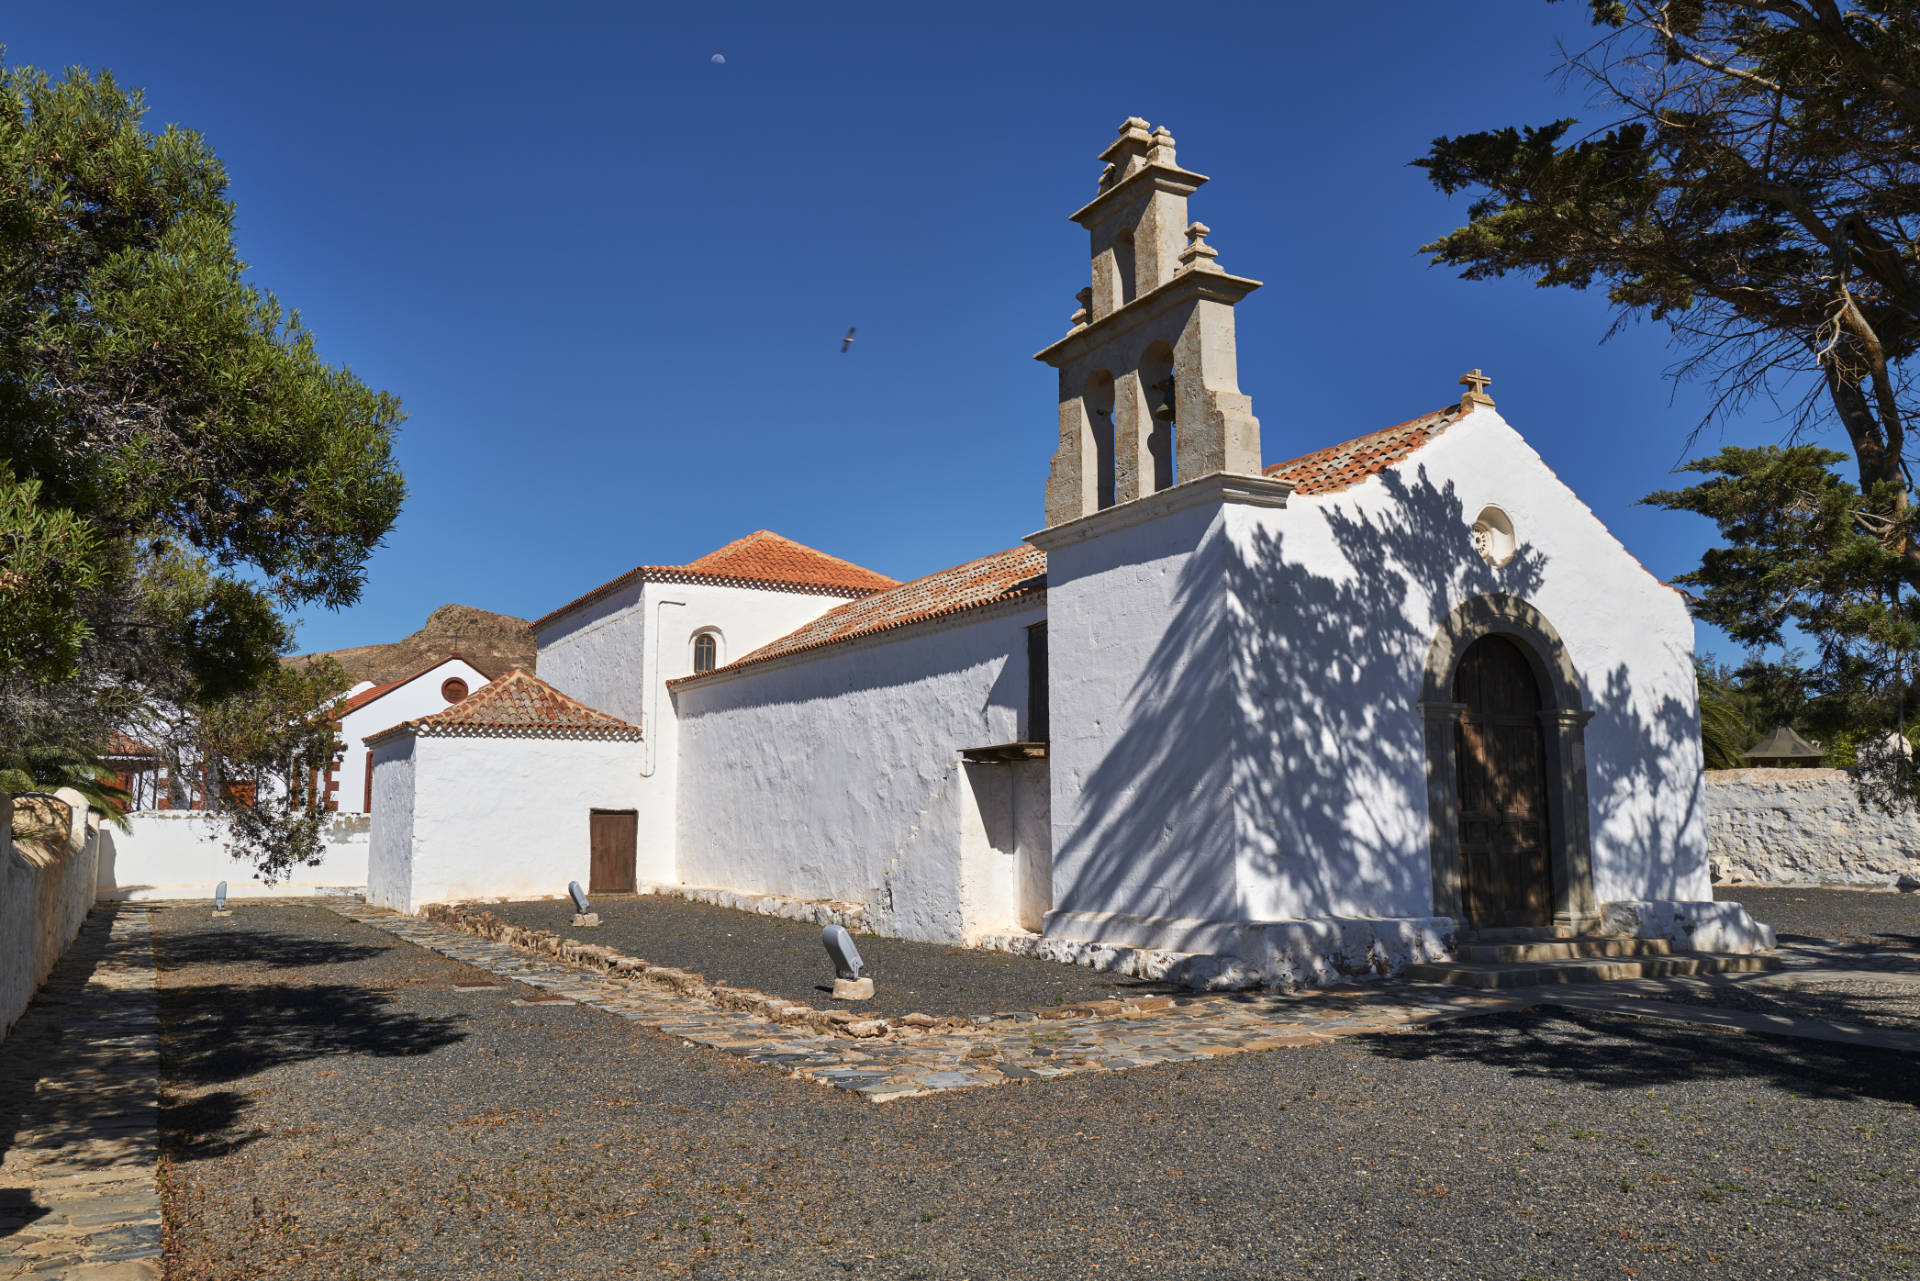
1001, 1048
79, 1099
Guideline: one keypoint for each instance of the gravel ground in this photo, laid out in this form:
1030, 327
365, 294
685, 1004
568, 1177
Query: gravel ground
1882, 918
785, 958
334, 1109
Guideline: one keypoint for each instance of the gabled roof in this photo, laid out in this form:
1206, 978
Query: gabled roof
762, 559
518, 705
1336, 467
366, 696
1014, 574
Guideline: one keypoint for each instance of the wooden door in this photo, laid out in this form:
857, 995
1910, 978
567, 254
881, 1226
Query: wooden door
1505, 878
615, 836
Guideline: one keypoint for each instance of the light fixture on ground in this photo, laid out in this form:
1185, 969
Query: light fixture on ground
848, 985
584, 917
220, 907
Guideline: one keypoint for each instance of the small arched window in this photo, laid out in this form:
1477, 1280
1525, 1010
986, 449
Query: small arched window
706, 652
453, 689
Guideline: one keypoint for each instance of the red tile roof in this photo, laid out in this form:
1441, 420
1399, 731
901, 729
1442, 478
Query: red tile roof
1018, 573
125, 747
762, 559
518, 705
1336, 467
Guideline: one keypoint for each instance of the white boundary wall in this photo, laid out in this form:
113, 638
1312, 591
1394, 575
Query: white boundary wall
46, 888
173, 854
1804, 827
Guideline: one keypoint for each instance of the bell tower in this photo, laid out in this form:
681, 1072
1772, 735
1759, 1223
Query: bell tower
1149, 391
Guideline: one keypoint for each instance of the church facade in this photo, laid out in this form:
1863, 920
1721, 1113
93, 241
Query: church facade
1229, 720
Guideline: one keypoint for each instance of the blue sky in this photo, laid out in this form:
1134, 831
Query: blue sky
608, 276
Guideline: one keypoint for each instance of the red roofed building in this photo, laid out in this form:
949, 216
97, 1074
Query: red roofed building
1219, 720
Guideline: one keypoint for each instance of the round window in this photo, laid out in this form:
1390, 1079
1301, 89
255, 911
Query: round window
1493, 536
453, 689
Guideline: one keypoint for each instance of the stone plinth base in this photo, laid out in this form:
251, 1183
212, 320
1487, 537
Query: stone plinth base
1312, 952
853, 989
223, 911
585, 920
1698, 925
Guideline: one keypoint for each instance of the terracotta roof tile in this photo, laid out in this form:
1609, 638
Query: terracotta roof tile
1336, 467
1004, 576
518, 705
761, 559
125, 747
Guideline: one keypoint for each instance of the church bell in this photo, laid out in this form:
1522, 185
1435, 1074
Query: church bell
1162, 400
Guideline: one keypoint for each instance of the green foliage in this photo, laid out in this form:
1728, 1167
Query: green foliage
47, 563
178, 466
48, 769
144, 381
1724, 729
1753, 186
1798, 560
263, 750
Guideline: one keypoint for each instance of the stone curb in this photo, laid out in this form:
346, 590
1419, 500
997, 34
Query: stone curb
845, 1023
997, 1051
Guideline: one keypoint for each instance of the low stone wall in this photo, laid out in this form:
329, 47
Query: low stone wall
46, 887
775, 1009
1804, 827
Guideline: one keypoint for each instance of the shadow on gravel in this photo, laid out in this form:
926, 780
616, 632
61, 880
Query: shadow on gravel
275, 951
219, 1033
1616, 1052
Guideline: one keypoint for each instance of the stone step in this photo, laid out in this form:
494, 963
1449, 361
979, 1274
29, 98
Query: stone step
1498, 974
1519, 933
1563, 949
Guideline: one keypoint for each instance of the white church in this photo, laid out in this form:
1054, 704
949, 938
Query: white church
1234, 720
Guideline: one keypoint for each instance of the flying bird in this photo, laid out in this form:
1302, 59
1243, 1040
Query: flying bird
847, 341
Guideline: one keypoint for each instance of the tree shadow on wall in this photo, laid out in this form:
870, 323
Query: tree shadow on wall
1316, 731
1619, 1052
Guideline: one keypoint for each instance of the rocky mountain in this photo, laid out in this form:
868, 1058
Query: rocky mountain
491, 642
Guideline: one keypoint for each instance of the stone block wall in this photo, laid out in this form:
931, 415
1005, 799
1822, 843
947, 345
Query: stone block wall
1804, 827
46, 888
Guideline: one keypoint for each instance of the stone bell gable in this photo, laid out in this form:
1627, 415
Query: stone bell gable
1149, 384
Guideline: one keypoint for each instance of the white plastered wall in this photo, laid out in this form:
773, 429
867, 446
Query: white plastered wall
170, 854
838, 775
1237, 726
617, 654
1141, 719
390, 833
493, 818
419, 697
1343, 595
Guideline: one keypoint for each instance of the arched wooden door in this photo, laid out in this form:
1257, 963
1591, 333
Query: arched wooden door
1505, 876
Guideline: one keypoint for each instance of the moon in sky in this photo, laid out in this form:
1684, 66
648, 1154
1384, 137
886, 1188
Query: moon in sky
719, 57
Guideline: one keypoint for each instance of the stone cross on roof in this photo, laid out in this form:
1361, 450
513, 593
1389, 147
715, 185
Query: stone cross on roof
1476, 384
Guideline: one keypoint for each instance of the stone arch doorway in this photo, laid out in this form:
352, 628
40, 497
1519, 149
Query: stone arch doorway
1506, 771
